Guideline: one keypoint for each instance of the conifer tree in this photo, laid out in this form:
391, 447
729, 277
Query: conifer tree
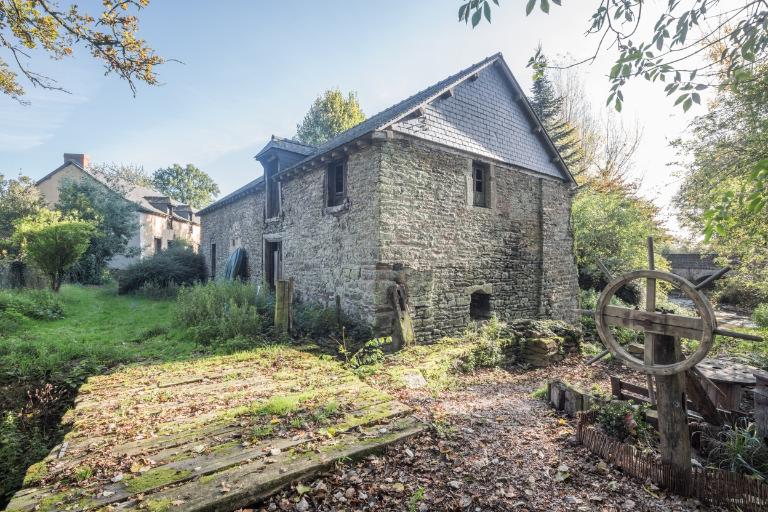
548, 106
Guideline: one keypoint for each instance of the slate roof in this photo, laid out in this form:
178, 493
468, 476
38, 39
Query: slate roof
293, 146
393, 113
397, 112
233, 196
390, 116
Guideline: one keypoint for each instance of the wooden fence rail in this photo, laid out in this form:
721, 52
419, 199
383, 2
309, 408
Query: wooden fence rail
713, 485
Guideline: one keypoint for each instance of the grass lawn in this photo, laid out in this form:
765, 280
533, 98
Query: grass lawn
43, 362
100, 329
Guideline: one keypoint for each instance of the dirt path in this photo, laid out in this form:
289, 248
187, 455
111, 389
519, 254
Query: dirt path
492, 447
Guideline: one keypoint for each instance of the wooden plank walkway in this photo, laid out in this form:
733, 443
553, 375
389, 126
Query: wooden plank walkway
210, 434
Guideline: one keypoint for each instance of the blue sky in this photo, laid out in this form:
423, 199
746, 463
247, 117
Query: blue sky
252, 68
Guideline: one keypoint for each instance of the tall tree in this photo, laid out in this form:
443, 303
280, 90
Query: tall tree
121, 177
669, 52
113, 217
19, 198
328, 116
608, 143
724, 164
53, 242
548, 105
187, 184
111, 36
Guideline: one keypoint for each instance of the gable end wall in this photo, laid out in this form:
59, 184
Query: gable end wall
484, 117
520, 250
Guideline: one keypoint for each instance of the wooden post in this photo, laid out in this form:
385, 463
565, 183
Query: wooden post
339, 323
616, 387
761, 403
284, 306
673, 417
650, 306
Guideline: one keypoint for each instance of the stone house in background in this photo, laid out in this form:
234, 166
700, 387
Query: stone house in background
161, 220
457, 193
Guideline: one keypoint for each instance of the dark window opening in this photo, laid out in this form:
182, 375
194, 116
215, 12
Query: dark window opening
158, 245
480, 306
273, 262
337, 183
480, 184
213, 260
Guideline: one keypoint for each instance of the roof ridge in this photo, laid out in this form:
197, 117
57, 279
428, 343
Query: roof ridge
292, 140
448, 79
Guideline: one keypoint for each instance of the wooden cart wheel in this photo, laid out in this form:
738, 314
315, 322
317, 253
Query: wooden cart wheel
702, 328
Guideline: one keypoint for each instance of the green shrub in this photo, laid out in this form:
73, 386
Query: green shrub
738, 449
740, 293
178, 266
370, 354
624, 420
222, 310
487, 353
35, 304
20, 447
493, 346
760, 315
11, 321
540, 393
314, 320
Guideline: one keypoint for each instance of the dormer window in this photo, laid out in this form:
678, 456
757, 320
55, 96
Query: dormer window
336, 179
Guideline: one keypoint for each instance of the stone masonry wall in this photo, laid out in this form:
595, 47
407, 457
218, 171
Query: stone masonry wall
327, 251
449, 249
560, 277
409, 216
332, 251
238, 224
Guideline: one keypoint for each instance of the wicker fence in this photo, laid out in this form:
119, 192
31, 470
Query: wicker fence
713, 485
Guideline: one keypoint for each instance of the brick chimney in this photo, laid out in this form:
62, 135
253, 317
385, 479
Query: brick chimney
80, 159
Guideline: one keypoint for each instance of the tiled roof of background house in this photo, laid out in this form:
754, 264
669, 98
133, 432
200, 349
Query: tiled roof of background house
138, 194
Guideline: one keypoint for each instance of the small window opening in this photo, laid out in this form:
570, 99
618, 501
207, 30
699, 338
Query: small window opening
480, 172
480, 306
213, 260
337, 184
158, 244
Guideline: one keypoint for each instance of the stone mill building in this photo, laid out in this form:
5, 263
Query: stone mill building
456, 196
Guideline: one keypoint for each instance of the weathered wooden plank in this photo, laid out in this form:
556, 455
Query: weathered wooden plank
206, 463
657, 323
697, 393
238, 487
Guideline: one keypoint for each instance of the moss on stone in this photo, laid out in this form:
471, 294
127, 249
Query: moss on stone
162, 505
35, 473
225, 448
51, 502
155, 478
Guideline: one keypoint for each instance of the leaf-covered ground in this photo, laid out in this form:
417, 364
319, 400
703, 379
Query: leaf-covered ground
492, 446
